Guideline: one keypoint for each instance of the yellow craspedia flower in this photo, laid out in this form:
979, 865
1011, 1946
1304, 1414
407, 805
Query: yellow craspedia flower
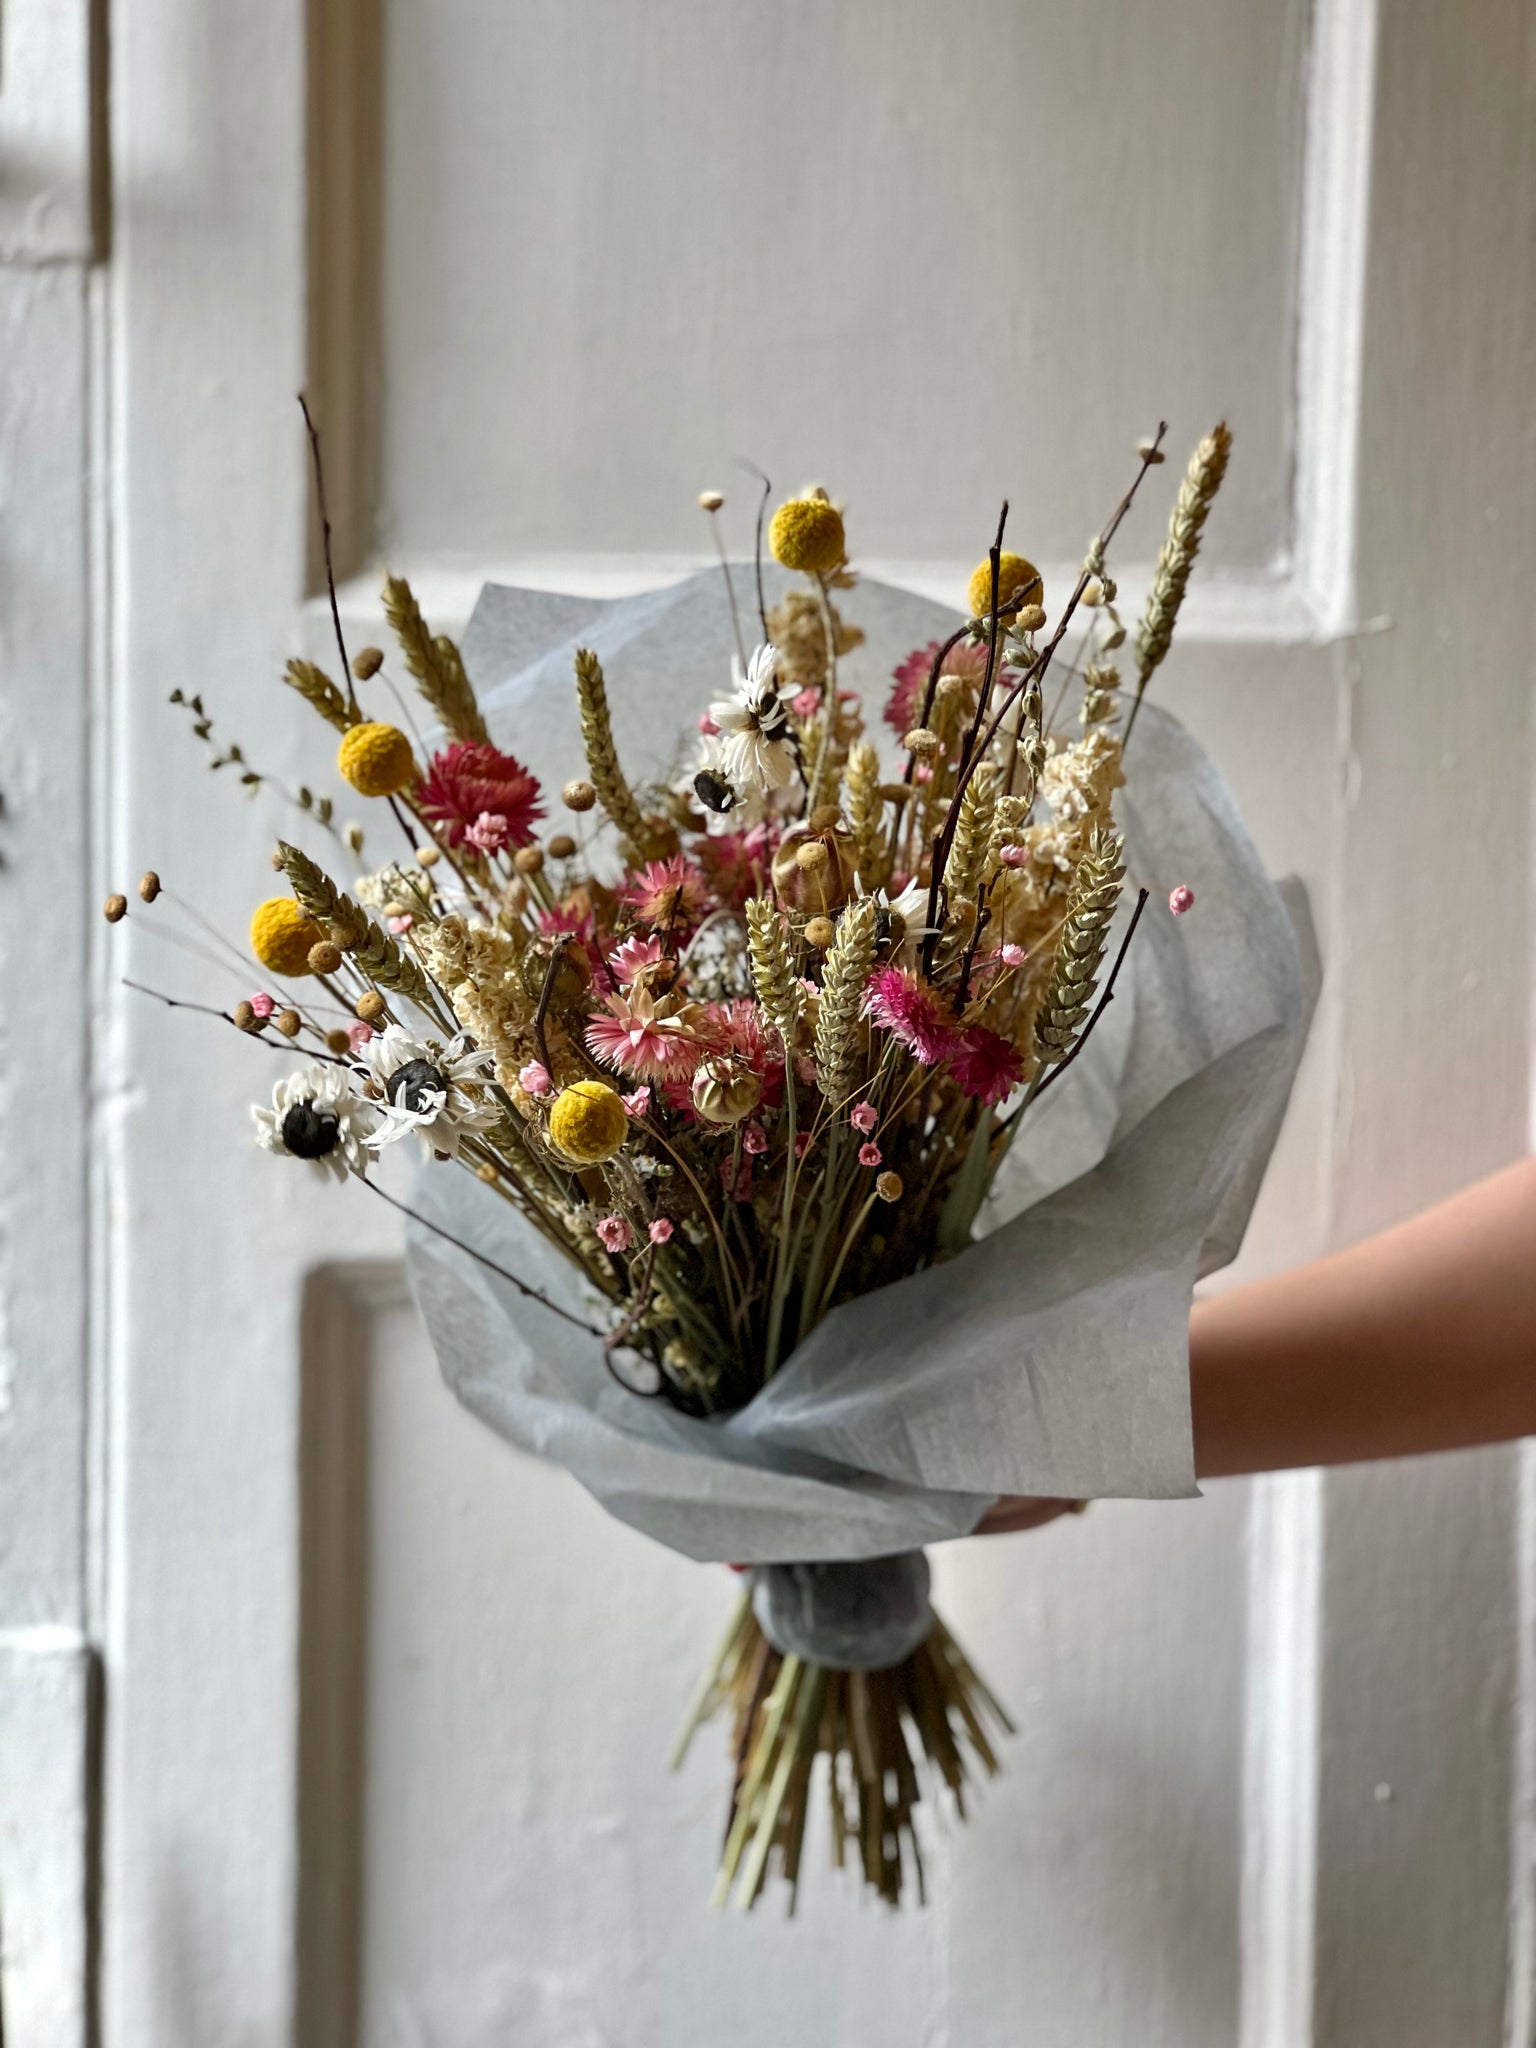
281, 936
376, 759
807, 533
588, 1122
1016, 577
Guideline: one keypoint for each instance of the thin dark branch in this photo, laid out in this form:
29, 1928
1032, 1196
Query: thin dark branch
531, 1293
968, 957
1104, 1000
546, 996
325, 542
730, 588
757, 544
329, 1059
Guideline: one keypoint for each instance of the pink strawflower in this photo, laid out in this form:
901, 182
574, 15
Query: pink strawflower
615, 1234
906, 1006
488, 834
1181, 899
661, 1230
534, 1078
986, 1065
642, 1038
869, 1155
262, 1006
472, 778
638, 1102
737, 1027
401, 925
358, 1034
754, 1139
864, 1117
906, 700
1011, 955
635, 955
1013, 856
667, 890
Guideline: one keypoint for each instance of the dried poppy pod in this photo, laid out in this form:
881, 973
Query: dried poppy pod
723, 1092
823, 885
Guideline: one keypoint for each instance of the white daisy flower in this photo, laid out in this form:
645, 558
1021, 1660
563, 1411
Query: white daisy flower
754, 754
315, 1116
909, 912
431, 1089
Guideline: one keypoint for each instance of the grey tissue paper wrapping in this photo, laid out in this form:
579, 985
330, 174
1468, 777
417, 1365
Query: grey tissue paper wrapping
1051, 1357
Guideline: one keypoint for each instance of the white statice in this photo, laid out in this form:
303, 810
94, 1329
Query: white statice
317, 1116
435, 1090
753, 751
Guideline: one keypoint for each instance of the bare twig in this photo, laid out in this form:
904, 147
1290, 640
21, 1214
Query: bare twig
546, 996
325, 542
329, 1059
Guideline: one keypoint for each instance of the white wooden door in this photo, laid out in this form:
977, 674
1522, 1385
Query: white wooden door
386, 1705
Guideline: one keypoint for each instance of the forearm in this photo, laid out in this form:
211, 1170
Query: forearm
1421, 1339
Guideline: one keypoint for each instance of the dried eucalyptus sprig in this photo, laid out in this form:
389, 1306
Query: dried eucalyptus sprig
849, 961
352, 929
435, 664
1202, 480
1080, 954
608, 778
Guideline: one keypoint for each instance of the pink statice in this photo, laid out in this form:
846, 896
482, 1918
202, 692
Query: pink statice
864, 1117
985, 1064
806, 703
642, 1038
661, 1230
1011, 955
402, 924
358, 1034
869, 1155
900, 1002
614, 1234
534, 1078
632, 958
754, 1139
1181, 899
667, 891
1013, 856
637, 1102
262, 1006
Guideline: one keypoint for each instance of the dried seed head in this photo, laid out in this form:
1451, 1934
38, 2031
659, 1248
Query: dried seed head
115, 909
428, 856
922, 741
824, 818
819, 933
367, 662
370, 1006
562, 846
1150, 452
149, 886
894, 792
289, 1022
395, 908
245, 1017
710, 501
1032, 617
338, 1042
1093, 595
888, 1186
352, 834
325, 957
528, 860
578, 796
812, 855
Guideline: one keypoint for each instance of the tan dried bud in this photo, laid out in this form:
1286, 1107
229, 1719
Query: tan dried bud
825, 818
370, 1006
353, 835
820, 933
115, 909
528, 860
561, 846
711, 501
1032, 617
922, 741
289, 1022
888, 1186
894, 792
393, 908
578, 796
245, 1018
962, 910
811, 856
659, 976
485, 1171
948, 688
428, 856
367, 662
337, 1042
1150, 452
149, 885
324, 957
1093, 594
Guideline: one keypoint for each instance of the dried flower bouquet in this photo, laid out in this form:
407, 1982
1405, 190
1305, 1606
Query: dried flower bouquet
733, 1060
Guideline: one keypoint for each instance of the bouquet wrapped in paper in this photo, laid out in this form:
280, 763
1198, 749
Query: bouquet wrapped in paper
823, 1136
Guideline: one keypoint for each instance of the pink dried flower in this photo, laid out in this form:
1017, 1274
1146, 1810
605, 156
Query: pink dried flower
401, 925
638, 1102
534, 1078
472, 778
1011, 955
864, 1117
262, 1006
670, 891
630, 959
985, 1064
1181, 899
642, 1038
1014, 856
754, 1139
488, 834
804, 1140
615, 1234
358, 1034
661, 1230
806, 703
913, 1012
869, 1155
906, 700
707, 725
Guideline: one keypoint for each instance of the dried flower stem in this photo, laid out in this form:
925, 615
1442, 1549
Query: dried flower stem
608, 778
848, 965
1095, 892
1202, 480
325, 544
